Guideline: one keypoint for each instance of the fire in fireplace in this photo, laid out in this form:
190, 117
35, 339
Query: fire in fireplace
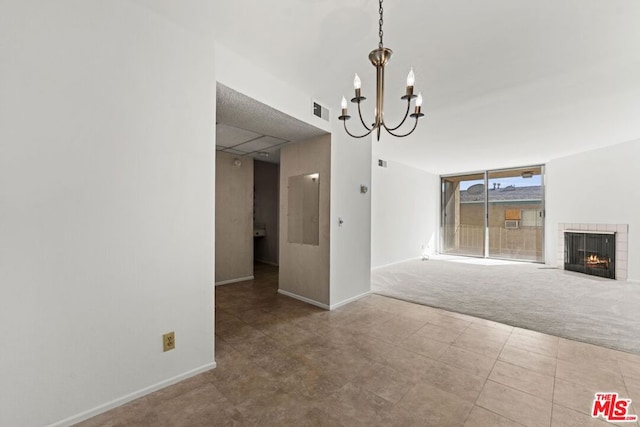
590, 253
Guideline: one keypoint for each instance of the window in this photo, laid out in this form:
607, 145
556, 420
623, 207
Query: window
531, 218
495, 214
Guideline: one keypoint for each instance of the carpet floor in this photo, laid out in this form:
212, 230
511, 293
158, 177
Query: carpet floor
532, 296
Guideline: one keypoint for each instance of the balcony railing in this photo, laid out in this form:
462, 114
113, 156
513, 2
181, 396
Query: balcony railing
523, 243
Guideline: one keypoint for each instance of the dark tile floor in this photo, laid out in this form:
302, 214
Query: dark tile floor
379, 361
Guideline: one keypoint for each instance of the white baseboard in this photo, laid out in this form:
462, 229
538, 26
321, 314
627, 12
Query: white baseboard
349, 300
240, 279
396, 262
131, 396
321, 305
303, 299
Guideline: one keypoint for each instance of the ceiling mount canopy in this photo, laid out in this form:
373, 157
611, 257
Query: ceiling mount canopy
379, 58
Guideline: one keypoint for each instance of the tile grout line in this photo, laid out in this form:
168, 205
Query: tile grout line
522, 391
553, 393
628, 395
475, 403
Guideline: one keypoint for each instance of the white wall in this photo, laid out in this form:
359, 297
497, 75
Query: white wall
248, 78
106, 202
404, 213
351, 242
599, 186
106, 205
234, 218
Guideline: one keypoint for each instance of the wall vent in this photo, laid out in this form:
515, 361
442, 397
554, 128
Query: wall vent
512, 224
320, 111
382, 163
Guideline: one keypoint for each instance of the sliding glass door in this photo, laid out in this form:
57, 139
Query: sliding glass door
516, 214
463, 206
497, 214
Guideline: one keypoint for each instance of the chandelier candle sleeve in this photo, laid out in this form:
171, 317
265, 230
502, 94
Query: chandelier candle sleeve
379, 58
345, 115
418, 103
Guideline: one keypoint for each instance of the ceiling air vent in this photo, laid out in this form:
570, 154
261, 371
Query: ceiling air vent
320, 111
382, 163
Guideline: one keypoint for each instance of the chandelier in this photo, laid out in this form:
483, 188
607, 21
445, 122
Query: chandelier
379, 58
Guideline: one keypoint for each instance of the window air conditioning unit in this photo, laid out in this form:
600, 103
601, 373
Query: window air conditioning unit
512, 224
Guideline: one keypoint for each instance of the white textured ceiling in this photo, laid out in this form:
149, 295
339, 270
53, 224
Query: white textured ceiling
506, 82
246, 127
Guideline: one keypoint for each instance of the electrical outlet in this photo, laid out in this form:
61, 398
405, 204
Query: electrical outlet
169, 341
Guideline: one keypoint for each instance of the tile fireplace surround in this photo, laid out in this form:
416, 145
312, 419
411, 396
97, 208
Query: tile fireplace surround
622, 233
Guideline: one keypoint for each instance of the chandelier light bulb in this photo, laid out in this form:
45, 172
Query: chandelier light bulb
344, 103
411, 78
419, 100
357, 84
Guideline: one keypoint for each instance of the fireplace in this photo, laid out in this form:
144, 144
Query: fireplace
590, 253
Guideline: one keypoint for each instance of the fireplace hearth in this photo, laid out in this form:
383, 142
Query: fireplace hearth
590, 253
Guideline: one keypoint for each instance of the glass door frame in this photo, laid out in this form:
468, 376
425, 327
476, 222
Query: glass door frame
443, 213
486, 174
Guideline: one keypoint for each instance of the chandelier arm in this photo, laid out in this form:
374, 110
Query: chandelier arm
403, 120
356, 136
362, 120
415, 125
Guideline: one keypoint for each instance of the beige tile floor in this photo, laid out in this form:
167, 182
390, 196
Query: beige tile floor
380, 361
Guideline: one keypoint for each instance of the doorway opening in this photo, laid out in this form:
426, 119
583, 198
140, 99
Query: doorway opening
266, 191
249, 139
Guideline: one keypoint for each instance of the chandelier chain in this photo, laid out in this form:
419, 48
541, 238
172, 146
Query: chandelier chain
379, 58
380, 22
